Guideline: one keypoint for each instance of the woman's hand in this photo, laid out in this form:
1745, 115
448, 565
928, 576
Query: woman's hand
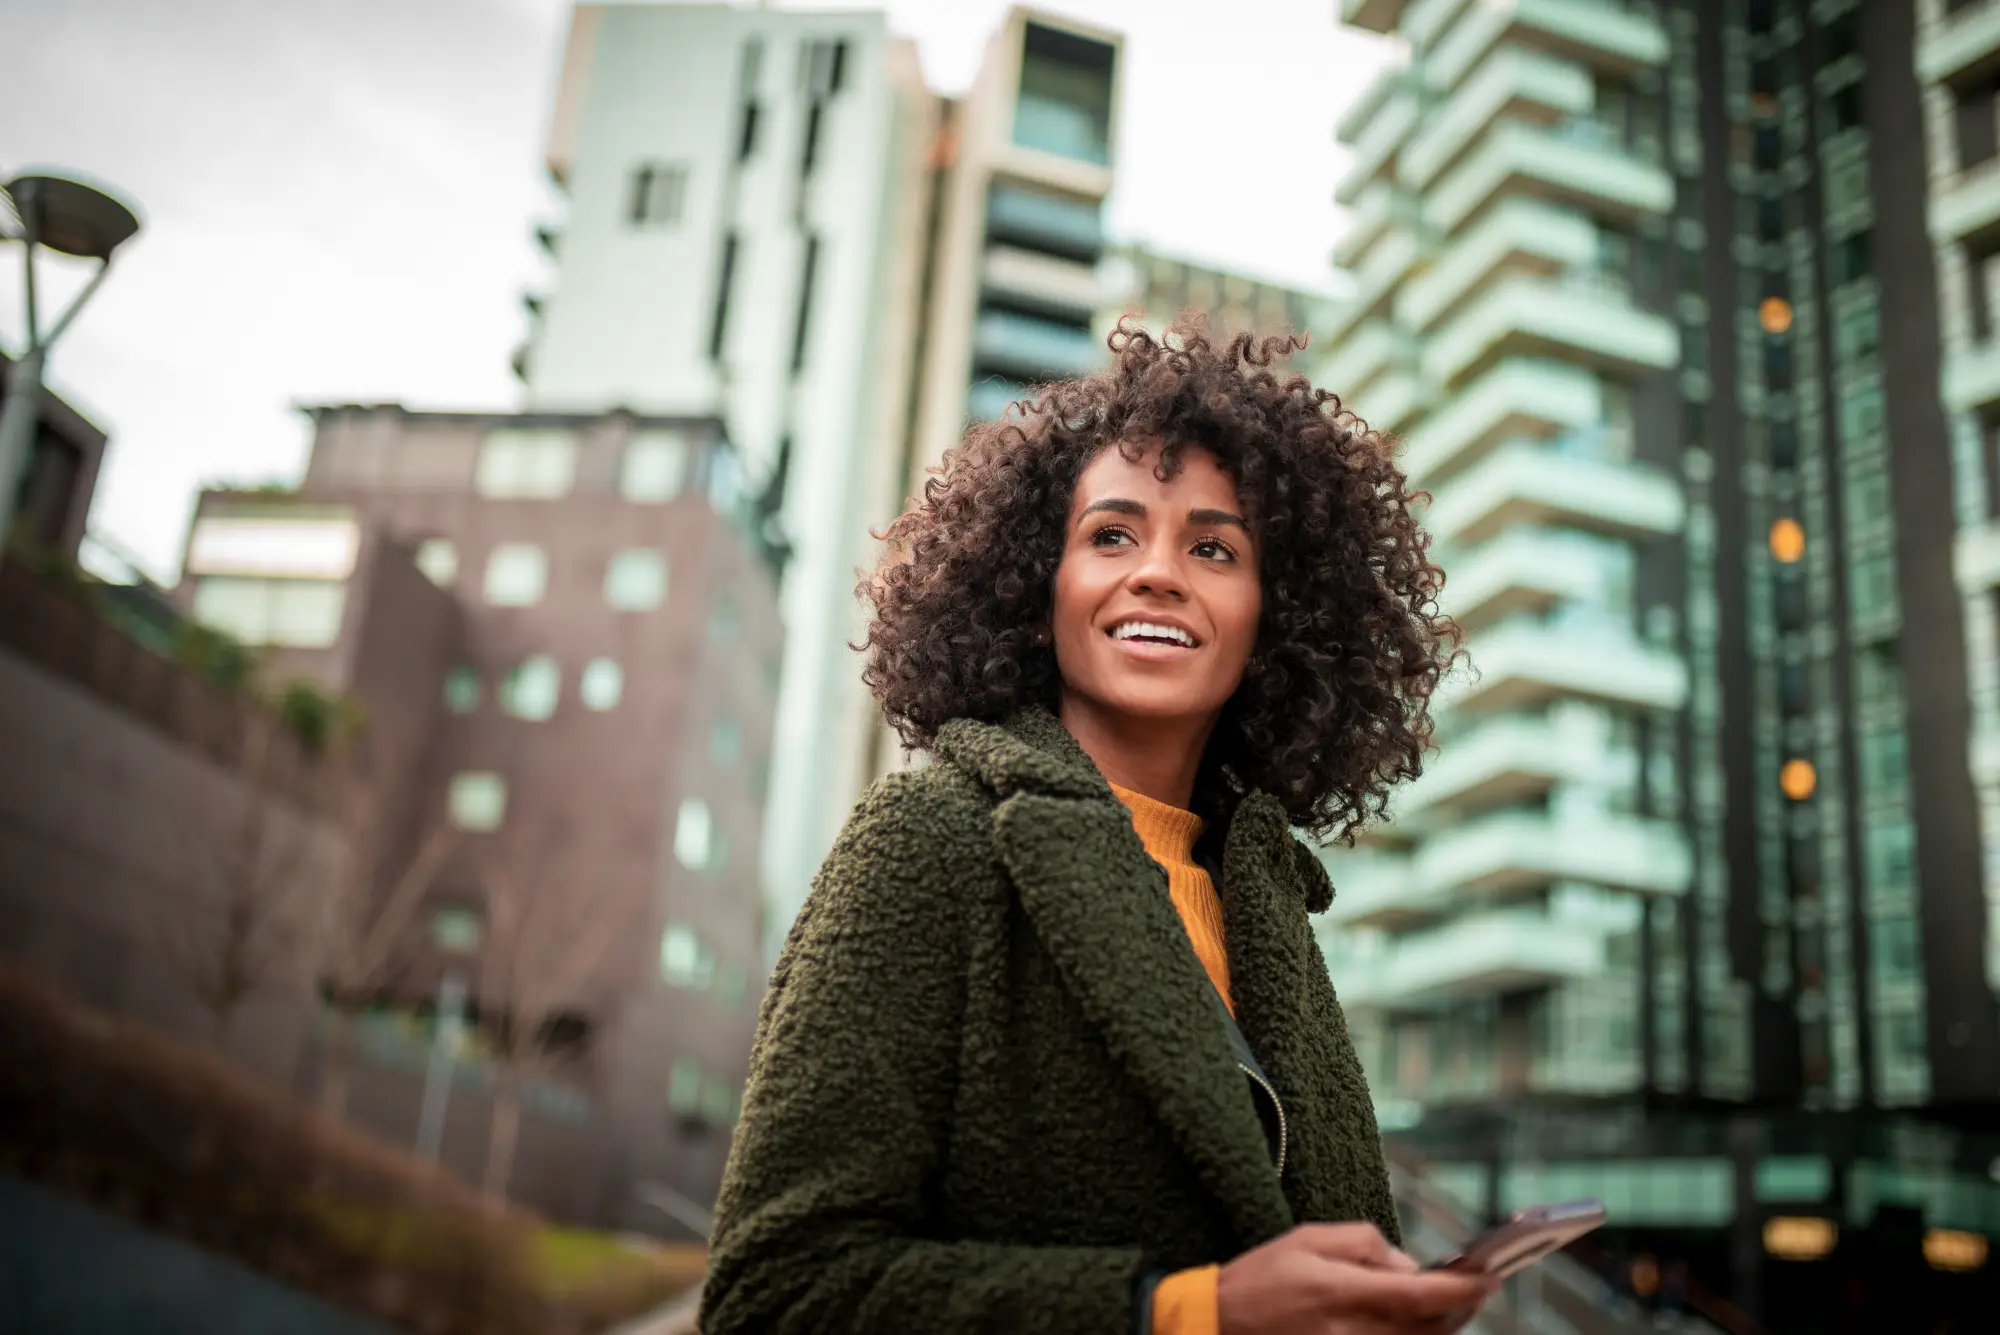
1341, 1279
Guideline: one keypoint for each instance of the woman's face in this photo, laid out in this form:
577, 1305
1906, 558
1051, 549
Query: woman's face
1157, 596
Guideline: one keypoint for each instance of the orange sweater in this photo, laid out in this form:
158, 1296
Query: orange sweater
1184, 1303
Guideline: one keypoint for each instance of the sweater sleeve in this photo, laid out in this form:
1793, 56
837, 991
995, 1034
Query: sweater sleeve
1185, 1302
822, 1224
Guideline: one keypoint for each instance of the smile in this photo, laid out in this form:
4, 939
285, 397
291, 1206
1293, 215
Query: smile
1153, 632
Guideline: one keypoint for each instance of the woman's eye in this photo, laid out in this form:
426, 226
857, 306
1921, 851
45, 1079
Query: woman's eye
1110, 537
1208, 549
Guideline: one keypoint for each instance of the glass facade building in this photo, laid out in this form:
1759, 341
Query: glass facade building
1682, 311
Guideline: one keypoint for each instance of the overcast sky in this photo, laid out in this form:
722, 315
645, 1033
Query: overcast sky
339, 195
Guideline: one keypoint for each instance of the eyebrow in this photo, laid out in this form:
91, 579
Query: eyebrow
1121, 506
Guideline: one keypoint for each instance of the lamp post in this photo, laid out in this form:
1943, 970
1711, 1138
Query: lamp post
71, 218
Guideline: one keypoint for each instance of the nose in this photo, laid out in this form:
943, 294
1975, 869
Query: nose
1159, 572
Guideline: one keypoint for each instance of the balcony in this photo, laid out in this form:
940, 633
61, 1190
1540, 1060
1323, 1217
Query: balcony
1587, 317
1374, 94
1521, 236
1972, 377
1609, 38
1505, 950
1507, 760
1509, 852
1375, 283
1372, 15
1043, 282
1373, 152
1579, 162
1524, 571
1375, 890
1065, 225
1515, 85
1962, 50
1033, 349
1976, 558
1562, 486
1521, 397
1526, 664
1965, 207
1427, 18
1393, 402
1366, 353
1383, 205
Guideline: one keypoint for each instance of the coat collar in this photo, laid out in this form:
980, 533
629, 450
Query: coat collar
1101, 909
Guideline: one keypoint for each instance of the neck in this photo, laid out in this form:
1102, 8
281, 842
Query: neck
1156, 757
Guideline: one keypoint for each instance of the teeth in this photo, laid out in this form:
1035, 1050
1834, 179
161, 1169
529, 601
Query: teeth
1132, 630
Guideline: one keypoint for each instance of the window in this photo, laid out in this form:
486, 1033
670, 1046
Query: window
461, 689
1797, 779
1859, 332
1861, 410
1064, 106
636, 580
725, 282
1885, 760
746, 133
528, 463
1788, 540
1895, 948
1775, 315
478, 800
517, 574
696, 845
1771, 218
438, 559
815, 117
685, 960
1844, 108
602, 685
803, 327
684, 1086
654, 466
1853, 258
1874, 592
532, 689
1890, 850
457, 928
725, 743
1768, 147
296, 613
658, 192
1784, 445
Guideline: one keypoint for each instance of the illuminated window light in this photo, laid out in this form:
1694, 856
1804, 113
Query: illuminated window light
1954, 1250
1788, 540
1799, 1237
1775, 314
1797, 779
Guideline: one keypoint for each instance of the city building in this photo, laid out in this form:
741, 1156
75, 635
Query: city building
52, 501
563, 638
745, 192
1688, 909
1155, 287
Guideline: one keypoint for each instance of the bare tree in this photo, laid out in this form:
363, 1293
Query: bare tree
232, 931
551, 931
365, 913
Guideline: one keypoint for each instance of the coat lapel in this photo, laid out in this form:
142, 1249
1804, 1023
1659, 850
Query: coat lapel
1100, 907
1271, 881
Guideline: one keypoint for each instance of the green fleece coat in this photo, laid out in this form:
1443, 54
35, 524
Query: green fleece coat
991, 1088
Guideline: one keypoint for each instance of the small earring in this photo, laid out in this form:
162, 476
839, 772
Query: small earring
1042, 635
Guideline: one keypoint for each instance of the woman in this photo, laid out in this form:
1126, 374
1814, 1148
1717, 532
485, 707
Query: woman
1051, 1047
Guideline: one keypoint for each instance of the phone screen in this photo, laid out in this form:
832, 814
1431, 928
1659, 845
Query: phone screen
1525, 1238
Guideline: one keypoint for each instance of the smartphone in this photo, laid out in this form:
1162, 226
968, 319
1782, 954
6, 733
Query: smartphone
1524, 1238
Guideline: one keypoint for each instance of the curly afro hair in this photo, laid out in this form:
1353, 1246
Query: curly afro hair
1334, 706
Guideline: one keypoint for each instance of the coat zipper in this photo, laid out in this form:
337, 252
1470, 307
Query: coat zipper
1277, 1103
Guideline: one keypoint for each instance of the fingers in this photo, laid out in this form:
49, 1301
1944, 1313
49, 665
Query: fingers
1358, 1244
1401, 1262
1431, 1294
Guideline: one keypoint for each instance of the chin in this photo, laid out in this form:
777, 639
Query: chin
1156, 700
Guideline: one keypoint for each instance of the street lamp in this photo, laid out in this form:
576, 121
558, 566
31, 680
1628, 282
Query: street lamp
71, 218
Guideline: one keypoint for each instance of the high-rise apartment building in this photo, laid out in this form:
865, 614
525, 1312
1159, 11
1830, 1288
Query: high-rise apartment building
1689, 909
745, 191
772, 220
566, 647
